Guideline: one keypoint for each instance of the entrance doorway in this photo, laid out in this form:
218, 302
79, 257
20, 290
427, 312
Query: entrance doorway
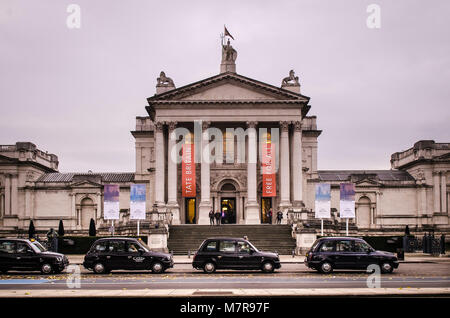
266, 205
228, 209
190, 209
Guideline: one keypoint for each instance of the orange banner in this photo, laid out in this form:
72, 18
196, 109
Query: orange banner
269, 186
188, 172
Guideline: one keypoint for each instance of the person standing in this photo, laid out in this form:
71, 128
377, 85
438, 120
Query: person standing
211, 217
217, 215
52, 239
269, 215
279, 216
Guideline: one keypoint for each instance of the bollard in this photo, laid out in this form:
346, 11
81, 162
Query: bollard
293, 253
442, 245
430, 244
424, 244
400, 254
189, 253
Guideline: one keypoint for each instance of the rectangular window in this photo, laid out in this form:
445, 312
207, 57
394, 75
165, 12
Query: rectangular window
100, 247
227, 246
22, 248
327, 246
117, 246
344, 246
7, 247
211, 247
243, 247
361, 247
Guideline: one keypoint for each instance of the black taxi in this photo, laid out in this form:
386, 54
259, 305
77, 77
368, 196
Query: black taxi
29, 255
233, 253
330, 253
115, 253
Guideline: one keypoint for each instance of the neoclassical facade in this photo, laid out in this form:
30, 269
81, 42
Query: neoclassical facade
239, 115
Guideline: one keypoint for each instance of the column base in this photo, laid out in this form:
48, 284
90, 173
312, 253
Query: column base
252, 213
284, 206
203, 212
175, 209
298, 204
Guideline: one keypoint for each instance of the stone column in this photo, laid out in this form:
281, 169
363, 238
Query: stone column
444, 191
205, 201
172, 176
297, 171
14, 195
284, 167
99, 207
7, 194
73, 209
159, 165
252, 207
436, 192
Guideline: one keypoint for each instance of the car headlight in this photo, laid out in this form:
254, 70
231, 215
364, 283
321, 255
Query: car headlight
59, 259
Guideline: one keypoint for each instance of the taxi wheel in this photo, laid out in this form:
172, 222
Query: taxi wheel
387, 268
99, 268
157, 268
326, 268
46, 268
209, 267
267, 267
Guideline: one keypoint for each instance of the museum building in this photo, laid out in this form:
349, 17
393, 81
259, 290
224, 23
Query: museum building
242, 116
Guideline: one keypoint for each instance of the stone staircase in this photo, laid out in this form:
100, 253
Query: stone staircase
184, 238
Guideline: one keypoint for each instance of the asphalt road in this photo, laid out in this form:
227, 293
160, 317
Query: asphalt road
183, 276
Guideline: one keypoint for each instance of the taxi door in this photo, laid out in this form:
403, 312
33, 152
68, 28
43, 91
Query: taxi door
116, 257
134, 259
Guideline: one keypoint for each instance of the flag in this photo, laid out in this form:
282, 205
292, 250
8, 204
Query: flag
228, 33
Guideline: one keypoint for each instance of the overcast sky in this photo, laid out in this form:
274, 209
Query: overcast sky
76, 92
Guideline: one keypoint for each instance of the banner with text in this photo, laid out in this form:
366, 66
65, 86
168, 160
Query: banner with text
137, 201
323, 201
268, 170
188, 172
347, 202
111, 202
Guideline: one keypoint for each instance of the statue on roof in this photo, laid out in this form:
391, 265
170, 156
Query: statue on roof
163, 80
291, 80
228, 52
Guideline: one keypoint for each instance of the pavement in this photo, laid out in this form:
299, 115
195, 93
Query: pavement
236, 292
298, 259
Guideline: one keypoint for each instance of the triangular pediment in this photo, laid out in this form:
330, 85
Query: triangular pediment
228, 91
86, 184
228, 87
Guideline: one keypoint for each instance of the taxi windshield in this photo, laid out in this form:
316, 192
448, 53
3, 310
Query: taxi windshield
252, 246
35, 248
144, 246
40, 247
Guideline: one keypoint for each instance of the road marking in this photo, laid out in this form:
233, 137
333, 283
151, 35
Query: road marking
24, 281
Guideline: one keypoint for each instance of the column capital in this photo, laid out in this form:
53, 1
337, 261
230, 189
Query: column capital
284, 125
205, 125
297, 125
159, 125
252, 124
172, 125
